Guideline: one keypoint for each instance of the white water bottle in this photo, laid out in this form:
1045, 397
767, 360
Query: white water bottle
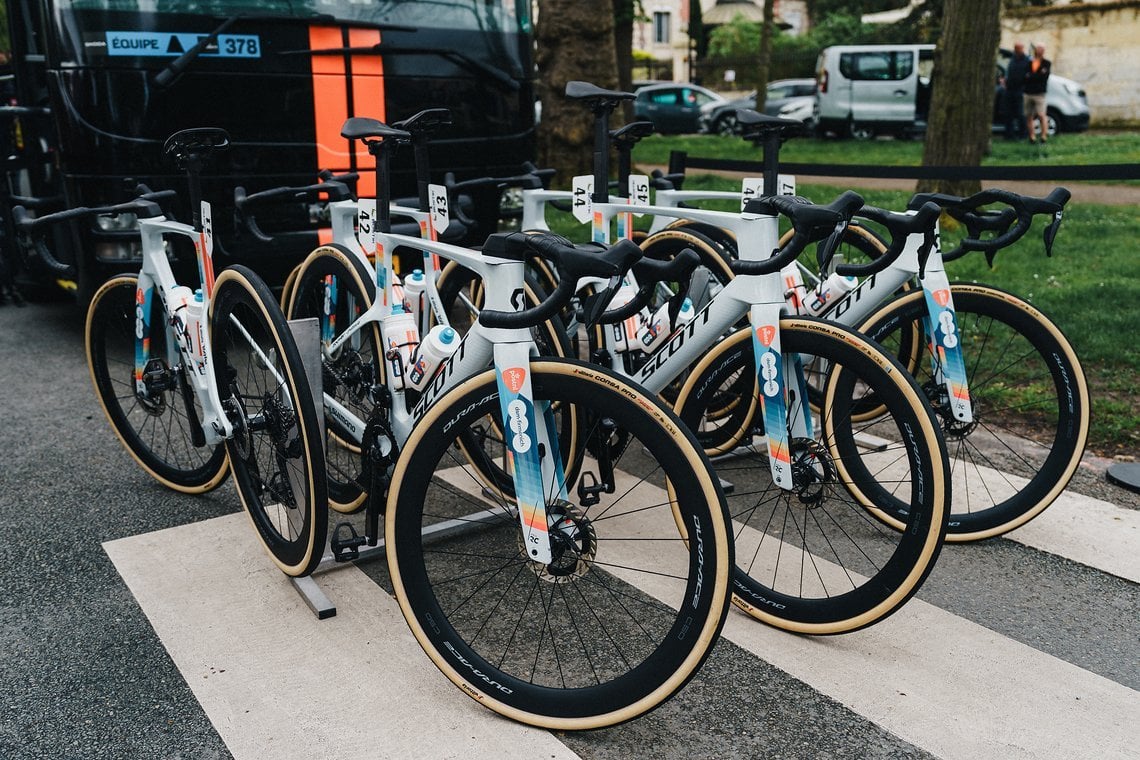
197, 329
624, 332
827, 292
654, 332
414, 285
436, 347
401, 337
179, 308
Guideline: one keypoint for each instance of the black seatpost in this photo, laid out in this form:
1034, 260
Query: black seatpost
423, 169
192, 163
771, 141
189, 149
623, 140
420, 127
602, 110
381, 150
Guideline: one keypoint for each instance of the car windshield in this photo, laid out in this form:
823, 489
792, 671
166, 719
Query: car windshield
487, 15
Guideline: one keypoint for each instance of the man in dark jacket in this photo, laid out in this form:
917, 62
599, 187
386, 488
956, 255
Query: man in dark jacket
1015, 72
1036, 80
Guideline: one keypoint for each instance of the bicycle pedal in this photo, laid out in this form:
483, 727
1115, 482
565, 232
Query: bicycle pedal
346, 548
589, 489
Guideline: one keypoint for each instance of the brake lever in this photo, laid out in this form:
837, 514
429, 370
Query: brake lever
1051, 232
595, 305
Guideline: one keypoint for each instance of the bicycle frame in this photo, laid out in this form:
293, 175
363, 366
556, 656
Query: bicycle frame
193, 349
949, 369
508, 350
948, 363
761, 297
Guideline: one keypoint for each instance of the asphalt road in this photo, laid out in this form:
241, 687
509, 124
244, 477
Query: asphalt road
85, 675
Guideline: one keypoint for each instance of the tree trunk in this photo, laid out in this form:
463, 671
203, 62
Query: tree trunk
697, 30
574, 40
624, 11
962, 92
765, 63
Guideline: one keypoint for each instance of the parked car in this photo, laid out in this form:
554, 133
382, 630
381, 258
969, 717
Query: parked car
672, 106
787, 98
1067, 107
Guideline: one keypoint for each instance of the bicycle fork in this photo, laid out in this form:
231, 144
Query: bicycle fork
532, 448
948, 365
774, 371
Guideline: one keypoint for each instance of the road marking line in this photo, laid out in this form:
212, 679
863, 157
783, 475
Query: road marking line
1089, 531
277, 682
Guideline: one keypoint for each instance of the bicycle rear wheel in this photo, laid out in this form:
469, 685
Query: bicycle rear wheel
275, 452
155, 429
627, 611
810, 559
1029, 398
336, 288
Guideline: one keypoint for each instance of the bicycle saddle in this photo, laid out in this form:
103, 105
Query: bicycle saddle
195, 142
577, 90
631, 133
754, 122
362, 128
425, 122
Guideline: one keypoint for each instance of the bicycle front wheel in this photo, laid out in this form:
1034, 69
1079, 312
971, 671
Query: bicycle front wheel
275, 451
810, 559
1029, 398
153, 426
627, 611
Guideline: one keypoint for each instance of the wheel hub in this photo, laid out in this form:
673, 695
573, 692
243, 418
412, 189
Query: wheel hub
573, 544
952, 428
239, 420
812, 471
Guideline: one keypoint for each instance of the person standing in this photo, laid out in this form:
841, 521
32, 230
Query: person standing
1036, 80
1014, 96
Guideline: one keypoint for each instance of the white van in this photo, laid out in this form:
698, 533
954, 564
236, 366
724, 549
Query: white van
866, 90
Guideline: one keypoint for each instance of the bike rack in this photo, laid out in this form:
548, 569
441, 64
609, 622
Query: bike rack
306, 333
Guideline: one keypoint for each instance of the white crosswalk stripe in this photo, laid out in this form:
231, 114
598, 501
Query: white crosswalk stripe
270, 675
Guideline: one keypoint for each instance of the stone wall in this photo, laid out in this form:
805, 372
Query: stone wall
1095, 44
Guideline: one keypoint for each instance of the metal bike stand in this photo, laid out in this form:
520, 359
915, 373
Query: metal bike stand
1125, 474
319, 602
306, 333
307, 336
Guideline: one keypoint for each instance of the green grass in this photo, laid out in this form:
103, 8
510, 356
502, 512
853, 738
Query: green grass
1067, 148
1090, 288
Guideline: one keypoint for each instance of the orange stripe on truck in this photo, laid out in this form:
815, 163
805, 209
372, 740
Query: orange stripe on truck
334, 101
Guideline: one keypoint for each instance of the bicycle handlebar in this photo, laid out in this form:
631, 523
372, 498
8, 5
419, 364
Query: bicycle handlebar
811, 223
28, 225
1023, 208
144, 208
333, 187
649, 272
900, 227
659, 180
571, 262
